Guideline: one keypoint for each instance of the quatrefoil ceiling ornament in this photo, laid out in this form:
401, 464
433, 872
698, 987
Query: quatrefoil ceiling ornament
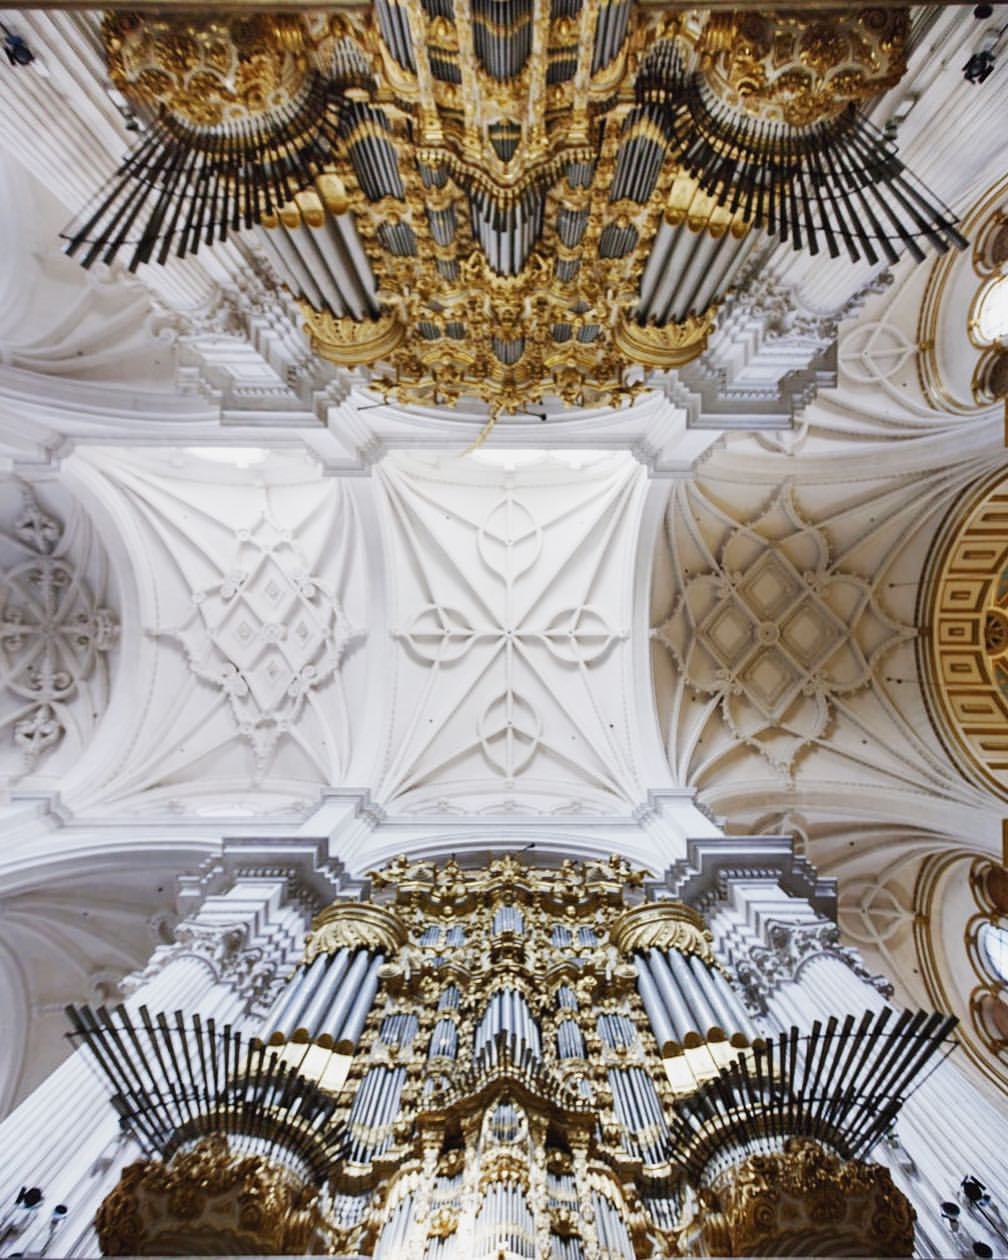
510, 201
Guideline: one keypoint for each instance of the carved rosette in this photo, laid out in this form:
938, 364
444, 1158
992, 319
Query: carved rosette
208, 1201
663, 925
803, 1201
354, 925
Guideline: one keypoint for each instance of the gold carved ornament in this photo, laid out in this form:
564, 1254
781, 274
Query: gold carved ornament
666, 925
803, 1200
559, 318
209, 1201
205, 72
354, 925
964, 650
466, 919
801, 68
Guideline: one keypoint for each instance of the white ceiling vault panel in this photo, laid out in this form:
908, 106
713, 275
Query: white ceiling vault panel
246, 645
510, 612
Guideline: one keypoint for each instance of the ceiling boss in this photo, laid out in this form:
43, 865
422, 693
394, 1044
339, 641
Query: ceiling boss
509, 199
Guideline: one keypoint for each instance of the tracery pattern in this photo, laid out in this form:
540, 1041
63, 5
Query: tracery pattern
771, 629
54, 634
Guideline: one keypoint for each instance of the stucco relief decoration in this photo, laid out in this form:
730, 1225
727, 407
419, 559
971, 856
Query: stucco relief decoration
55, 635
267, 636
771, 632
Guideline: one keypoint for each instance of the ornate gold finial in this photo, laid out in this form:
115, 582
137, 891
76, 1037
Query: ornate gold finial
663, 925
354, 925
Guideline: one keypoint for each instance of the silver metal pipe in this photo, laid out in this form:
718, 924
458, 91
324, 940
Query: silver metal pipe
346, 1038
674, 1004
704, 1018
340, 992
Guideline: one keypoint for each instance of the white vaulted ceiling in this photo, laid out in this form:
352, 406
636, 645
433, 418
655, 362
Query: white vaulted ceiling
301, 609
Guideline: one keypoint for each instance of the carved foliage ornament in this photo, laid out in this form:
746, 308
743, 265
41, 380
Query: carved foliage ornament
354, 925
804, 1201
209, 1201
54, 635
663, 925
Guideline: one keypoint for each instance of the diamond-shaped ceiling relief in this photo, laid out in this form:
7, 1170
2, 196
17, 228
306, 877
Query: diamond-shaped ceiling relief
511, 618
811, 632
730, 632
770, 587
771, 629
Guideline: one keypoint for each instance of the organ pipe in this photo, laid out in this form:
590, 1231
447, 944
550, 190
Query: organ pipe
519, 1058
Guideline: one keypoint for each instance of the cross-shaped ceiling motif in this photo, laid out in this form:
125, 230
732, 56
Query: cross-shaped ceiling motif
511, 623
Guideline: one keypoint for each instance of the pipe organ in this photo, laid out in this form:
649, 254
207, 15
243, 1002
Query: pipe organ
510, 199
538, 1062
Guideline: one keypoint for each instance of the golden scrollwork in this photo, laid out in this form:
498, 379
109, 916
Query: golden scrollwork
209, 1201
962, 652
802, 1200
207, 71
354, 925
663, 925
802, 68
350, 342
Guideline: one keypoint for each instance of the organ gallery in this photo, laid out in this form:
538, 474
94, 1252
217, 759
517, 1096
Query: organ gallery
503, 630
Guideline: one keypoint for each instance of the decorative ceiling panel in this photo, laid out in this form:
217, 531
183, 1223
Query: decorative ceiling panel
510, 616
784, 639
59, 630
253, 621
